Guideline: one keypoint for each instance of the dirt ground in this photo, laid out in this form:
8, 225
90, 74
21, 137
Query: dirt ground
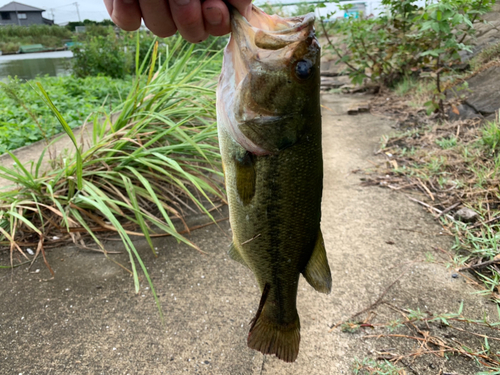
88, 320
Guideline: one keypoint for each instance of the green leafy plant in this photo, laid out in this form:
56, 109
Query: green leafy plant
101, 55
383, 49
24, 117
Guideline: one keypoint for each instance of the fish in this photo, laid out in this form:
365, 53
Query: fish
269, 129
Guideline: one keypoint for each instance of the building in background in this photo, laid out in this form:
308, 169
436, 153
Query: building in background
356, 11
15, 13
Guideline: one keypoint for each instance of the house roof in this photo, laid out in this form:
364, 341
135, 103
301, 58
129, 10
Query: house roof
15, 6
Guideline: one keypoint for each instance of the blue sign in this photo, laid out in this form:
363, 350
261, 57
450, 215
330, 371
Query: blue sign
351, 14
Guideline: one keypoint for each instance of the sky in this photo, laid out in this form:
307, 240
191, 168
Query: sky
65, 10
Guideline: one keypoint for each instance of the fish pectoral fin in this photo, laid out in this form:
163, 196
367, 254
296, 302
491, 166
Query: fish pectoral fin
268, 336
234, 254
317, 271
245, 177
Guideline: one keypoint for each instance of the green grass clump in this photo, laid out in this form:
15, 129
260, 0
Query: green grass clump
143, 169
369, 366
417, 91
446, 143
24, 117
491, 135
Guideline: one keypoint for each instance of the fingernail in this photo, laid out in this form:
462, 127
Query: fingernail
181, 2
214, 16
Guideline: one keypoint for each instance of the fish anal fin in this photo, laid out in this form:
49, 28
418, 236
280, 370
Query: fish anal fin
270, 337
234, 254
317, 271
245, 177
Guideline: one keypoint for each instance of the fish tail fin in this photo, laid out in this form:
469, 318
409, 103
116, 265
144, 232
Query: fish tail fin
269, 337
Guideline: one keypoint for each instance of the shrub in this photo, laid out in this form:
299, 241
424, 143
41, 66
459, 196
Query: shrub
101, 56
408, 39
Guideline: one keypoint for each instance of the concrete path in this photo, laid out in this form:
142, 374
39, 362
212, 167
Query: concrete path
88, 319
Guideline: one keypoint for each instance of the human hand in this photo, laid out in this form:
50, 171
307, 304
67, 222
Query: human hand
195, 19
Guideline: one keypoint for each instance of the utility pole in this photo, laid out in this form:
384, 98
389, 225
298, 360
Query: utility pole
78, 12
52, 13
17, 15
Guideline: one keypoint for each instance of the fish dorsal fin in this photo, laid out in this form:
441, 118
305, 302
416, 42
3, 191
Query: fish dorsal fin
245, 177
317, 271
234, 254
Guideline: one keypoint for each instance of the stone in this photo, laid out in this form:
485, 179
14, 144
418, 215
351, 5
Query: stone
333, 82
358, 108
465, 112
466, 215
484, 91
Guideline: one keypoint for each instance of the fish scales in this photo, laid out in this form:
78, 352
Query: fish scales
269, 122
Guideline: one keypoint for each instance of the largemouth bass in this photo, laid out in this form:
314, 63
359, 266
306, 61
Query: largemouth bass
268, 110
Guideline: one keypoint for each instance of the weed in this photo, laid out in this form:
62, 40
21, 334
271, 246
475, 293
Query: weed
350, 327
431, 333
405, 86
420, 93
143, 169
429, 257
369, 366
446, 143
491, 135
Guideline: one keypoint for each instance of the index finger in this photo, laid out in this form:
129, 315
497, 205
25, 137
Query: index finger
126, 14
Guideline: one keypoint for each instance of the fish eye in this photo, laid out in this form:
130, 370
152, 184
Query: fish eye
303, 69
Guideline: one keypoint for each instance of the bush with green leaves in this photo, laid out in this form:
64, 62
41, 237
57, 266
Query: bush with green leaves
447, 24
382, 49
101, 55
407, 40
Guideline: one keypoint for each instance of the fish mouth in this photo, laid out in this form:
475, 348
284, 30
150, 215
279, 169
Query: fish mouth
270, 31
269, 38
259, 47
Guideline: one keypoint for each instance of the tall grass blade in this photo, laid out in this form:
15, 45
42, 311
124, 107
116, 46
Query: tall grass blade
68, 131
